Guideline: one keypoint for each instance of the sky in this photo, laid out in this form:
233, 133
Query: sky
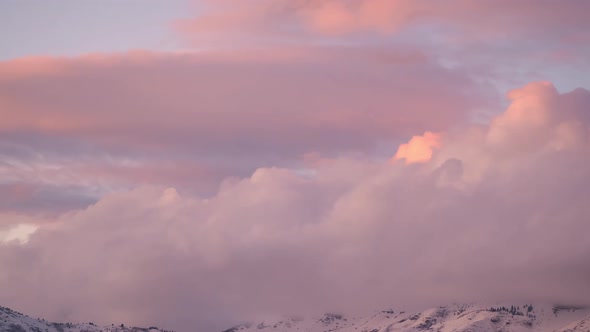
198, 164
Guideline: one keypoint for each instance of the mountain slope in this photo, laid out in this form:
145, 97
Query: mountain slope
13, 321
453, 318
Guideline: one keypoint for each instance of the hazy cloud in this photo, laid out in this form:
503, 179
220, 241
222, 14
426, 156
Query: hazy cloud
489, 217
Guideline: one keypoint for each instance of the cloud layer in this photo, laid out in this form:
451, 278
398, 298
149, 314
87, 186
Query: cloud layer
498, 212
260, 20
114, 121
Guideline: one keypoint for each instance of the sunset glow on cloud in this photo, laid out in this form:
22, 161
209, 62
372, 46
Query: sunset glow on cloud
235, 168
419, 149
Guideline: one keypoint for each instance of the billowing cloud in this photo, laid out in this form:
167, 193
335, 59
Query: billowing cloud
419, 149
471, 223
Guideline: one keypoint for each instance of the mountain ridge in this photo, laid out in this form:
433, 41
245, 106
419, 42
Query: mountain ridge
14, 321
451, 318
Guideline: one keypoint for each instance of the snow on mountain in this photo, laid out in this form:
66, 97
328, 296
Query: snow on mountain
453, 318
13, 321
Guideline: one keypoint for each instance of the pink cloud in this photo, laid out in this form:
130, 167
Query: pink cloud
337, 17
532, 121
189, 98
333, 17
419, 149
487, 38
279, 241
188, 120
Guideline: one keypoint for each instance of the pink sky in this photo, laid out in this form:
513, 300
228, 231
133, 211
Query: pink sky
296, 157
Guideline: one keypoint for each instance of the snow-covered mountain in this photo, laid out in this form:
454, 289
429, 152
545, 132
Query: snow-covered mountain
13, 321
452, 318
